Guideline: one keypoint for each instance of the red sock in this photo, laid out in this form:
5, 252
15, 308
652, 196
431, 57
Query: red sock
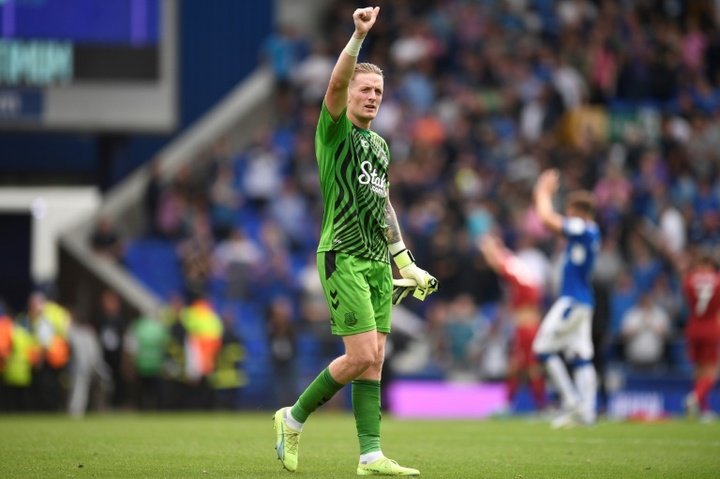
537, 386
703, 385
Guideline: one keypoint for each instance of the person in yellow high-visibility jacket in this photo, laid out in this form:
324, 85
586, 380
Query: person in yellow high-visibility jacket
49, 323
6, 326
204, 338
229, 375
22, 356
57, 352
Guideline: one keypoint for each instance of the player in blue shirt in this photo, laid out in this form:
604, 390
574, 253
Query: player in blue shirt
567, 327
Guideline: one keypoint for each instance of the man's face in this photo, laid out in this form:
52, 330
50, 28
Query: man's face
364, 96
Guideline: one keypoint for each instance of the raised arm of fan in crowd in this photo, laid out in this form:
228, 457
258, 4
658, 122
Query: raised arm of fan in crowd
336, 95
545, 188
680, 259
494, 250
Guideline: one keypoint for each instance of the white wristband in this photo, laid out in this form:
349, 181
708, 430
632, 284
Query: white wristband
353, 46
400, 254
395, 248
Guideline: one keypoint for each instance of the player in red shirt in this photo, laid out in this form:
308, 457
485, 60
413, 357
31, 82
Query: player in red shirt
701, 286
524, 298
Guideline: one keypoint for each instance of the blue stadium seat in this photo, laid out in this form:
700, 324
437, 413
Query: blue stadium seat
250, 322
155, 263
249, 220
679, 357
308, 354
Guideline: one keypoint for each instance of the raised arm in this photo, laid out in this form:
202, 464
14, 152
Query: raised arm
337, 92
493, 250
545, 188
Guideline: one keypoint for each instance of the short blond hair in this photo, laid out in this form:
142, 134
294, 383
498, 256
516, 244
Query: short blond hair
367, 68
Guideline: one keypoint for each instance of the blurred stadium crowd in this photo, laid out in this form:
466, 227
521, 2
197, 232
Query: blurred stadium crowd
622, 97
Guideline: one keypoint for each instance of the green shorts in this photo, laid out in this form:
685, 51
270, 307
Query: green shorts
358, 292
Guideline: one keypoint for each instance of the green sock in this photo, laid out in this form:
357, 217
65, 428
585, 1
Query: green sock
366, 407
315, 395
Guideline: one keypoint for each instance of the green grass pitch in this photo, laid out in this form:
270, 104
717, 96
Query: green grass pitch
240, 445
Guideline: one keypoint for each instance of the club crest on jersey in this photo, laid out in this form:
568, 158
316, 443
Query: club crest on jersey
364, 143
369, 176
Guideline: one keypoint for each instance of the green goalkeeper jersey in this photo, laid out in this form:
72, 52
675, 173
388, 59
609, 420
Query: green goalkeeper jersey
353, 165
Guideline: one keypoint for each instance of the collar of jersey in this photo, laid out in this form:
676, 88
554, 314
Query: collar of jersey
364, 131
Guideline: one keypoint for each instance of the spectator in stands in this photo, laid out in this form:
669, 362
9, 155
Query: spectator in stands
645, 329
238, 260
111, 323
174, 384
145, 343
312, 75
264, 164
229, 375
458, 331
613, 193
290, 210
603, 67
195, 254
610, 263
540, 114
171, 205
283, 51
281, 334
412, 45
490, 346
623, 296
278, 277
19, 355
646, 266
6, 327
668, 297
88, 369
105, 239
203, 340
49, 321
672, 229
151, 199
304, 174
224, 201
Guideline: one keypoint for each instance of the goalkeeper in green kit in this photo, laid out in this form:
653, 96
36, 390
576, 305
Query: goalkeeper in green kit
359, 233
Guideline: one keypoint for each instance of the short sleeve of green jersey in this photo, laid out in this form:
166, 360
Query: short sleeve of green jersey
330, 132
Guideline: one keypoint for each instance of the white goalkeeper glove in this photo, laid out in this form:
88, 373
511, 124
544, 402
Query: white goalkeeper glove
401, 288
424, 282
